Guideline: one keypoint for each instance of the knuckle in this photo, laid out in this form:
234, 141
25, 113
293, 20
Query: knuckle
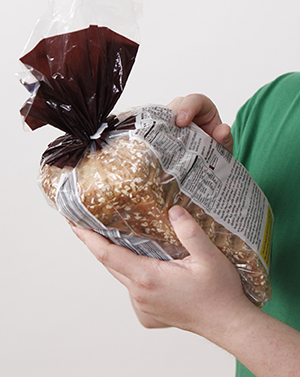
145, 283
189, 231
139, 300
195, 98
178, 99
175, 103
102, 255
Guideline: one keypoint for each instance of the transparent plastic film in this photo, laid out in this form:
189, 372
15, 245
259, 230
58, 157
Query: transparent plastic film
119, 174
129, 184
76, 64
67, 16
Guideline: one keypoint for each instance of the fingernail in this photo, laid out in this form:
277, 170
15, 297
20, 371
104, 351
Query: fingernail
181, 117
175, 213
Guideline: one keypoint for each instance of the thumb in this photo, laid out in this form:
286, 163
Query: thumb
222, 134
190, 234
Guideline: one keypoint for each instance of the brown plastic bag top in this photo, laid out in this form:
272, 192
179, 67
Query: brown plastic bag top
80, 77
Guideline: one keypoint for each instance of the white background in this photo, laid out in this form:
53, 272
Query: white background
61, 313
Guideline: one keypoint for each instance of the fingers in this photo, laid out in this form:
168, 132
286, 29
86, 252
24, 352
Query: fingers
191, 234
121, 262
195, 108
121, 278
222, 134
130, 268
202, 111
175, 103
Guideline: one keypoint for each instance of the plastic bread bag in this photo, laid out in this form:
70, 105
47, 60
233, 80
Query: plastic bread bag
119, 174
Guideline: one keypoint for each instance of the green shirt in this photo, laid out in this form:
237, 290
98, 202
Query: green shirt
267, 142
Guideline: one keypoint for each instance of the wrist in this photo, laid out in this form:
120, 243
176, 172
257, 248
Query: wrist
242, 324
266, 346
228, 325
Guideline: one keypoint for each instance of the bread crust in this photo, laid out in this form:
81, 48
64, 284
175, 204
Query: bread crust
124, 186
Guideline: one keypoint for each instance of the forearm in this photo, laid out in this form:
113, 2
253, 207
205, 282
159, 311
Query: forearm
203, 294
266, 346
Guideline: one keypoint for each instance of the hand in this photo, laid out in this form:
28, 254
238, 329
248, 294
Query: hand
201, 293
202, 111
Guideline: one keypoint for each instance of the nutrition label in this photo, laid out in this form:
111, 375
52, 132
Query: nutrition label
208, 174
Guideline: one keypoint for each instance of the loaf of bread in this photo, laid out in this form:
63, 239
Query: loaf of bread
120, 174
125, 188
